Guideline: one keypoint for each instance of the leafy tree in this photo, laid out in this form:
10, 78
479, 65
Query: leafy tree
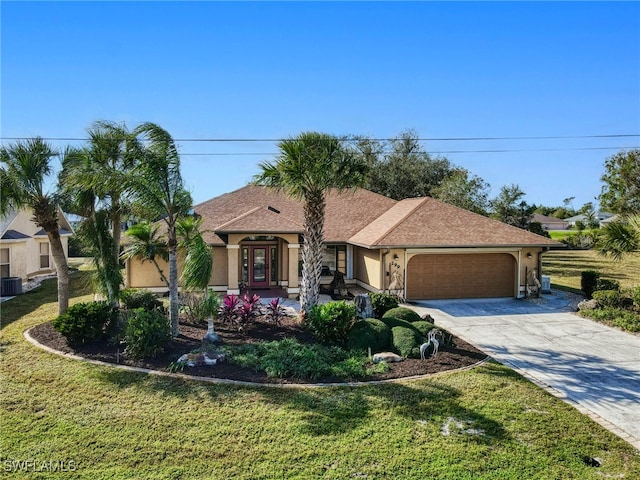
464, 190
621, 189
24, 167
401, 168
160, 194
508, 207
306, 168
620, 238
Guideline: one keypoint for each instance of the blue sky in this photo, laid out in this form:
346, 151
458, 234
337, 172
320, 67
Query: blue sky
272, 70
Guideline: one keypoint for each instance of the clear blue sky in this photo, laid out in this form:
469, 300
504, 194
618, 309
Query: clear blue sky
272, 70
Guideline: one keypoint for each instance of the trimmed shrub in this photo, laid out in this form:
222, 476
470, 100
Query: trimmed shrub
402, 313
589, 282
634, 293
423, 327
369, 333
607, 284
382, 303
86, 322
147, 333
132, 299
608, 298
406, 341
330, 323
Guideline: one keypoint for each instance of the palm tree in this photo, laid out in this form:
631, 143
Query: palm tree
306, 168
146, 245
198, 261
24, 167
160, 194
620, 238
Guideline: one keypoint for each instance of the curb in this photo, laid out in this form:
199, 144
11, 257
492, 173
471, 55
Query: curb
240, 383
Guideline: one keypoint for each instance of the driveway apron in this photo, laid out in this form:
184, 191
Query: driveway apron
594, 367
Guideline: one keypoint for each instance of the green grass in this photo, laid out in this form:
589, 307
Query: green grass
120, 425
558, 235
565, 267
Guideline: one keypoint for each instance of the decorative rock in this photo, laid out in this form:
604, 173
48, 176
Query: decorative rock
199, 359
428, 318
388, 357
364, 306
588, 305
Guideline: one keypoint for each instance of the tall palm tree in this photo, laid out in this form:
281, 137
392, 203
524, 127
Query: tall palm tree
198, 261
94, 182
620, 238
160, 194
307, 167
24, 167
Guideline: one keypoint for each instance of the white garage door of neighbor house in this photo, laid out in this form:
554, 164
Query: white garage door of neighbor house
439, 276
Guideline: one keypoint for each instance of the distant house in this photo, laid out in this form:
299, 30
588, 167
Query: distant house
607, 221
420, 248
24, 246
550, 223
600, 216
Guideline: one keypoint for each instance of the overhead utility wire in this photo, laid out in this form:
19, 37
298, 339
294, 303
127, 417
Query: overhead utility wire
434, 139
219, 154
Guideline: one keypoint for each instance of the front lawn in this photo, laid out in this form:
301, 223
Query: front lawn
103, 423
565, 267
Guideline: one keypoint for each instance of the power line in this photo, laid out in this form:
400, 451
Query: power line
427, 139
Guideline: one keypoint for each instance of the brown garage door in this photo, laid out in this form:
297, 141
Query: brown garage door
461, 276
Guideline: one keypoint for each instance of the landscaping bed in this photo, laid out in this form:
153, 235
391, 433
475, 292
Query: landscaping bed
448, 358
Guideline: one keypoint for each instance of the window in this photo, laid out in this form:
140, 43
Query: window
44, 255
5, 263
334, 257
273, 264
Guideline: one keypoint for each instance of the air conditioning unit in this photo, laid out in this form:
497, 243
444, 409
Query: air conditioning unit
545, 284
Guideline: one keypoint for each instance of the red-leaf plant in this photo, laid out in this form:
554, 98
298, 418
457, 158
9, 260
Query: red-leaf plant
275, 311
247, 309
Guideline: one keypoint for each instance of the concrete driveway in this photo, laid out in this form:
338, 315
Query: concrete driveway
591, 366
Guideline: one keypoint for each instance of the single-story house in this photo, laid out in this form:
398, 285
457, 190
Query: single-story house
550, 223
420, 248
24, 247
600, 216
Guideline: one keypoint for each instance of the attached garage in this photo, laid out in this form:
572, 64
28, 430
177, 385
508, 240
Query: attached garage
472, 275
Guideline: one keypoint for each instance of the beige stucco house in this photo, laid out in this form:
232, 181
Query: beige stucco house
24, 246
420, 248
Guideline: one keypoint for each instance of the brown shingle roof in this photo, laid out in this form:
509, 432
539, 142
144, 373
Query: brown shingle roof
426, 222
247, 210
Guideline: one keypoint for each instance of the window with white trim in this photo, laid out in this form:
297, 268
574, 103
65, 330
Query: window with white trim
44, 256
5, 262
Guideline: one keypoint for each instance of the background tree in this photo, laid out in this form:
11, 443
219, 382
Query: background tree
160, 194
401, 168
621, 189
508, 207
306, 168
24, 168
464, 190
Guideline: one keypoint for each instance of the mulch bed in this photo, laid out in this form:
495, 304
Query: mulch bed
190, 338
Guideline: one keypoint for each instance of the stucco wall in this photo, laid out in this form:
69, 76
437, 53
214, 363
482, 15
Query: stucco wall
367, 267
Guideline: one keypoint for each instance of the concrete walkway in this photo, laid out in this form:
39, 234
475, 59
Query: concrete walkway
591, 366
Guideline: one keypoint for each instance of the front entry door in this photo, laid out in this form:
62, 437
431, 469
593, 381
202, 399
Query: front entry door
259, 267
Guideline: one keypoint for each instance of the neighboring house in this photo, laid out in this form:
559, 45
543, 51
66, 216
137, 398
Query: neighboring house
24, 247
419, 247
601, 216
550, 223
607, 221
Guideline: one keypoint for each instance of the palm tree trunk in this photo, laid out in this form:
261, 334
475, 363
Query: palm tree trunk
173, 281
62, 270
312, 251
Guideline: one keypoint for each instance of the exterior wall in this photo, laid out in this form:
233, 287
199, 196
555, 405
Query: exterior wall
367, 268
25, 253
219, 276
141, 274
